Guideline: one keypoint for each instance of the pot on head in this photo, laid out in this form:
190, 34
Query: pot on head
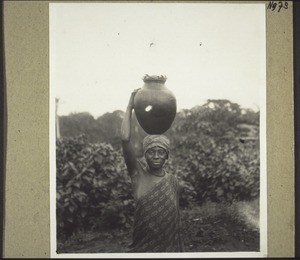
155, 105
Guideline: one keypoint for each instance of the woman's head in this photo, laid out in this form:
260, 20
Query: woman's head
156, 150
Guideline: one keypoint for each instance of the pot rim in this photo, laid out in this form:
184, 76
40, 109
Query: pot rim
155, 78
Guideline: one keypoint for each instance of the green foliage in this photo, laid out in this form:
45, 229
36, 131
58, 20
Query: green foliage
106, 128
93, 187
218, 151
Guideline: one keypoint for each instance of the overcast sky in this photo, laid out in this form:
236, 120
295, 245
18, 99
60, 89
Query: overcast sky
99, 53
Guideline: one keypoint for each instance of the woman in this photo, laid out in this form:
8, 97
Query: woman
156, 219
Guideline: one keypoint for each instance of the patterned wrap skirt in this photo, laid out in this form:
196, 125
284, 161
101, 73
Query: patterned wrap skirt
156, 220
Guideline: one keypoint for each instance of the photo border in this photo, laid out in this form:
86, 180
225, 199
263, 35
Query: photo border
263, 173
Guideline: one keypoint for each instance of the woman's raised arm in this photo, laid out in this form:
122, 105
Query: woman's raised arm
128, 151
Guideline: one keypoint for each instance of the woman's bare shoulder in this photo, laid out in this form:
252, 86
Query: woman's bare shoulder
139, 170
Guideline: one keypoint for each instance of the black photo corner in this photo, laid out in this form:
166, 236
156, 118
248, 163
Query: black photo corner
296, 34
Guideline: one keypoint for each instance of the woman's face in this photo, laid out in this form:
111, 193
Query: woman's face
156, 157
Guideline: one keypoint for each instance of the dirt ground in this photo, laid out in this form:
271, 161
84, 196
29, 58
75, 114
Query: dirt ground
213, 234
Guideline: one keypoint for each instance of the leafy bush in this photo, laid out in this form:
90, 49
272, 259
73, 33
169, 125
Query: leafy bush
93, 187
218, 152
222, 174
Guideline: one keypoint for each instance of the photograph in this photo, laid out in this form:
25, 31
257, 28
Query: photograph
158, 129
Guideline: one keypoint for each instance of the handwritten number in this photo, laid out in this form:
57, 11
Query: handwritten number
280, 6
272, 5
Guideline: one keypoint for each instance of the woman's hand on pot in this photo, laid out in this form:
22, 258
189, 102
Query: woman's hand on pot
132, 97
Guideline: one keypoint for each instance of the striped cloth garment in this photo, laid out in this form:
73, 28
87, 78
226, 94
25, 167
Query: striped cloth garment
156, 220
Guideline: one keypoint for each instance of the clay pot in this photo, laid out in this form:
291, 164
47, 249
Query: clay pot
155, 105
